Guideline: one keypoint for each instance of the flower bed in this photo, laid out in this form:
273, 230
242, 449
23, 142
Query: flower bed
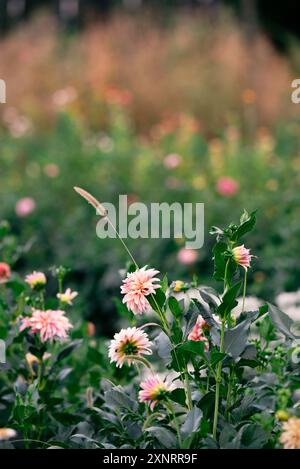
183, 372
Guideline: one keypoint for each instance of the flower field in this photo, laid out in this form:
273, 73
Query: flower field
142, 343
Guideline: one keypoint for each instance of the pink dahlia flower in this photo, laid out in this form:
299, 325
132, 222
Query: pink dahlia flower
290, 437
153, 390
36, 279
127, 343
197, 333
227, 186
187, 256
4, 272
137, 286
50, 324
242, 256
25, 207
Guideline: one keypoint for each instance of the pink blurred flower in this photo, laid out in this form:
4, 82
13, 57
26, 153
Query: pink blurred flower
4, 272
51, 170
136, 286
197, 333
7, 433
242, 256
50, 324
64, 96
25, 206
172, 161
36, 279
227, 186
153, 390
128, 342
187, 256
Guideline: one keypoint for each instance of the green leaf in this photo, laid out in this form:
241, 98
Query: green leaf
216, 357
164, 346
191, 347
116, 397
164, 284
247, 224
192, 422
157, 300
235, 340
68, 350
219, 260
164, 436
229, 300
175, 307
281, 320
94, 356
178, 395
253, 436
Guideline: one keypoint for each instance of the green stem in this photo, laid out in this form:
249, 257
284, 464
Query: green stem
42, 300
189, 402
218, 382
170, 408
228, 398
244, 290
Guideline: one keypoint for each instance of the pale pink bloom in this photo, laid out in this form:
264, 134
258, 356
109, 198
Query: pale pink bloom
68, 296
25, 207
187, 256
137, 286
51, 170
7, 433
197, 333
50, 324
153, 390
128, 342
36, 279
242, 256
290, 437
64, 96
172, 161
4, 272
227, 186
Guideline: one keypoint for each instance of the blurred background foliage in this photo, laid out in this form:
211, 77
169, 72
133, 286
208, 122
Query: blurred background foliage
188, 103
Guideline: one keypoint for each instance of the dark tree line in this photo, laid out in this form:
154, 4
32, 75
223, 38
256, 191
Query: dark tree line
279, 19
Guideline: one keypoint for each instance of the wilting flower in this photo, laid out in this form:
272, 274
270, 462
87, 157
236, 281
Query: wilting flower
7, 433
242, 256
36, 279
91, 329
68, 296
137, 286
187, 256
4, 272
197, 333
50, 324
33, 363
153, 390
290, 437
128, 343
227, 186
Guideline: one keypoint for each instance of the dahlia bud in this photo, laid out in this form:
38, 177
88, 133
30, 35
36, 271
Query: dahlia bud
242, 256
